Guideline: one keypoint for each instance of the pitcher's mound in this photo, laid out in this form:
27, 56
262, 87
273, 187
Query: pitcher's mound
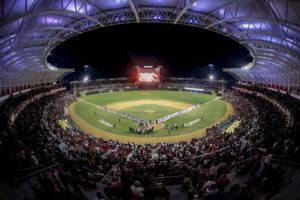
149, 111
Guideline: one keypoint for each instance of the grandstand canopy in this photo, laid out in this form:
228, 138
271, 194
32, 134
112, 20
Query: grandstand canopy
30, 29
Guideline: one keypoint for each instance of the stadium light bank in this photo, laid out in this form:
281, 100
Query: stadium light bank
85, 79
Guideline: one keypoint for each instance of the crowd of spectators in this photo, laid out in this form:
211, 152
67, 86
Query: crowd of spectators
103, 85
204, 163
208, 86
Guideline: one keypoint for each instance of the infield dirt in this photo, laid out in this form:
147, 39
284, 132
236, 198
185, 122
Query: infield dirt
130, 104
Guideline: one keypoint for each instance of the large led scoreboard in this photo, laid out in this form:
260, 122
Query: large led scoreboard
148, 75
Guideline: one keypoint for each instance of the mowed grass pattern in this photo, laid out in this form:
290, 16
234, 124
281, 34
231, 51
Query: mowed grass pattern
211, 110
91, 115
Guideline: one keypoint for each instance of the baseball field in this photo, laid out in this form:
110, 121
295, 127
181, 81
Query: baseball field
172, 115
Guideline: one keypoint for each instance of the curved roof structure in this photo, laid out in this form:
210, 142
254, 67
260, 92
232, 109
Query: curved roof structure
270, 29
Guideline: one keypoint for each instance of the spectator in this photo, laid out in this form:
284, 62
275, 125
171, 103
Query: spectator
137, 190
165, 194
99, 196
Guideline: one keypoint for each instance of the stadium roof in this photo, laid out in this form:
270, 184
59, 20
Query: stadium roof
30, 29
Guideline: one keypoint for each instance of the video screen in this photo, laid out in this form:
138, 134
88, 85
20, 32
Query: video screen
148, 77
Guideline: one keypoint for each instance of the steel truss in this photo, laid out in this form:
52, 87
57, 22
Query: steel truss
269, 29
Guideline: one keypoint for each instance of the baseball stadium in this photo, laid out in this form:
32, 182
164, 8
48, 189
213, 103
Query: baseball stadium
149, 99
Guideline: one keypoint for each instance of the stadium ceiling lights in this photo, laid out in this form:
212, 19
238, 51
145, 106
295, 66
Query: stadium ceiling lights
31, 29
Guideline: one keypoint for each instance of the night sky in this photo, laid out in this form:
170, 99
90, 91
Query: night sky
182, 51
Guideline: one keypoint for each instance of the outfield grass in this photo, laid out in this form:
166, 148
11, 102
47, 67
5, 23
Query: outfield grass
211, 110
91, 115
180, 96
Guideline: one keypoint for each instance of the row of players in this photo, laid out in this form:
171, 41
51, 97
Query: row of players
148, 127
142, 128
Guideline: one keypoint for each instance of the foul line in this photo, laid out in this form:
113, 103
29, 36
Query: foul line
116, 112
89, 129
137, 118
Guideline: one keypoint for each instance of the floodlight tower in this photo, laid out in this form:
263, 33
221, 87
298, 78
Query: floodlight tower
211, 77
222, 90
85, 69
85, 78
74, 89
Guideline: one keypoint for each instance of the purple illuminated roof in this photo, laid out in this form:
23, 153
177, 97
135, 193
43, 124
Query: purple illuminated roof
269, 29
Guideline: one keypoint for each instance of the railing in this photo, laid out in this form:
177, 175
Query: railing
208, 154
108, 174
166, 180
228, 167
27, 172
287, 160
